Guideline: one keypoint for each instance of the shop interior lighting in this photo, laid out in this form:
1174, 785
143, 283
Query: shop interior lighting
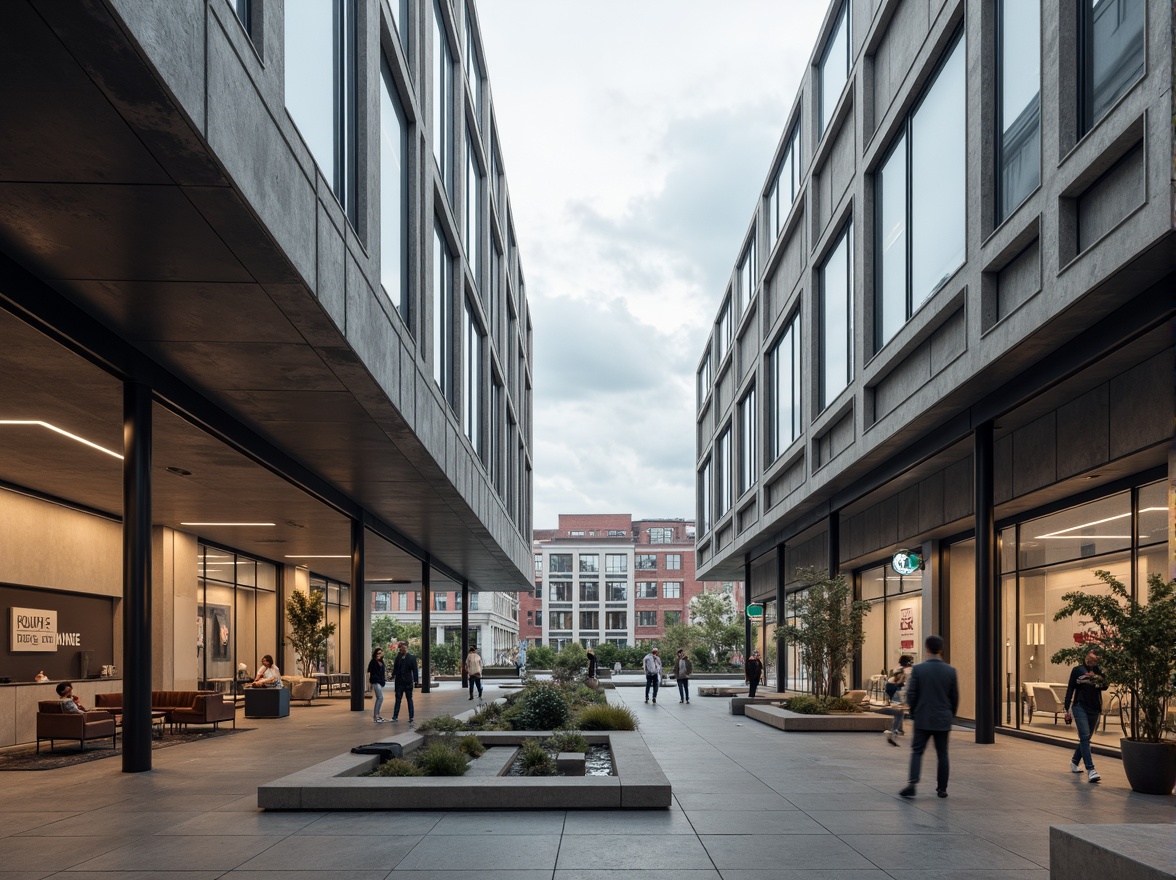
312, 556
63, 433
1061, 533
226, 524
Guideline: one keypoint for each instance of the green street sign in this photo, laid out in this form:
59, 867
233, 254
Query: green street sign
755, 611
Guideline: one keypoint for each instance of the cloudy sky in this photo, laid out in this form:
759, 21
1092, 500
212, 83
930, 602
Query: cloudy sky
636, 138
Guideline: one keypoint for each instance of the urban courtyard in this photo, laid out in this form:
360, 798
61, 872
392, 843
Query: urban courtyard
750, 802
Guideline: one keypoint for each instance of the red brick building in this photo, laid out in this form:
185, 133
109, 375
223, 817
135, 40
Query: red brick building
610, 578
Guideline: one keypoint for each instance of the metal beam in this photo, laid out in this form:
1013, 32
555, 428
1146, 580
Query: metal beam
986, 696
359, 608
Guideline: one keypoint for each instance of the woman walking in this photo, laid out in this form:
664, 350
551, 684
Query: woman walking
377, 675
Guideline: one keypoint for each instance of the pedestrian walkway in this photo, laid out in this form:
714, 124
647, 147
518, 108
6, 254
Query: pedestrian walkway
750, 803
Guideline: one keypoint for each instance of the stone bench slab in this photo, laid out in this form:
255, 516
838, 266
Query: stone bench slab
794, 721
1141, 852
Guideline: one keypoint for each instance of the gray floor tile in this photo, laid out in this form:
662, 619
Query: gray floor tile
491, 874
980, 874
232, 824
441, 852
493, 822
910, 852
702, 800
103, 823
301, 875
308, 852
383, 822
139, 875
797, 851
875, 800
753, 822
631, 874
54, 853
18, 823
627, 822
623, 852
194, 853
816, 874
910, 821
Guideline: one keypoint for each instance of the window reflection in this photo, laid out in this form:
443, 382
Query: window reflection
1019, 108
834, 67
1113, 56
837, 320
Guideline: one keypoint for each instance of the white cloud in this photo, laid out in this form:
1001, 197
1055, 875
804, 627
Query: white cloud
636, 139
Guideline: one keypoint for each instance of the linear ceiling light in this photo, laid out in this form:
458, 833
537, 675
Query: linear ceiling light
63, 433
225, 524
1061, 533
311, 556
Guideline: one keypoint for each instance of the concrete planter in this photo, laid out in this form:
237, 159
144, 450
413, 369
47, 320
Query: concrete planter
794, 721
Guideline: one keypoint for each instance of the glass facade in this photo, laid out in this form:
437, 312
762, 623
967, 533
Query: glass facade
748, 435
746, 276
442, 314
723, 473
442, 100
835, 64
785, 185
837, 319
237, 616
784, 390
475, 353
1018, 69
1112, 54
393, 196
337, 598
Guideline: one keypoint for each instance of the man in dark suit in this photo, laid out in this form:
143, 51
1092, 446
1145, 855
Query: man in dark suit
405, 676
933, 695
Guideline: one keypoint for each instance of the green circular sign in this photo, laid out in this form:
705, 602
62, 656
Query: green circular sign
907, 562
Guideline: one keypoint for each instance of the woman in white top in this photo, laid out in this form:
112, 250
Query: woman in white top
268, 675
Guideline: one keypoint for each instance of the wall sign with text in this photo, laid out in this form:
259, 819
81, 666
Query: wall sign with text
35, 629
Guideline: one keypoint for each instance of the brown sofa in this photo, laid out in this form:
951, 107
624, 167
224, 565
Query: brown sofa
54, 723
182, 707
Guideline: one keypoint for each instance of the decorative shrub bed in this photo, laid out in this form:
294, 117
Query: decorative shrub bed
541, 705
806, 705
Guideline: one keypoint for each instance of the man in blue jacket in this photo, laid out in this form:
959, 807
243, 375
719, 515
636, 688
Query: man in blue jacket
933, 695
405, 676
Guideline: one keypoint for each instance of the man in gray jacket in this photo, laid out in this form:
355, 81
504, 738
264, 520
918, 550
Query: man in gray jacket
933, 695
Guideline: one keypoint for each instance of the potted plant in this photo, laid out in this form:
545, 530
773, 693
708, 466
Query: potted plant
829, 629
1136, 645
306, 614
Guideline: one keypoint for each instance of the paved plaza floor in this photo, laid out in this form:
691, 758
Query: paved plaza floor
750, 803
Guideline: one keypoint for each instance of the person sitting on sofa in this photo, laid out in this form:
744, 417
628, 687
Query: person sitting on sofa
70, 704
268, 675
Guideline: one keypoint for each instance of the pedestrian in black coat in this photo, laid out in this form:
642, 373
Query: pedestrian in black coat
933, 695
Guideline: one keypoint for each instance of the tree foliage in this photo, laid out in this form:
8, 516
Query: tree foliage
569, 662
388, 631
305, 612
678, 635
445, 659
828, 630
717, 626
1135, 643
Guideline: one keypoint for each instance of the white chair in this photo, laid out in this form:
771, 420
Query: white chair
1046, 701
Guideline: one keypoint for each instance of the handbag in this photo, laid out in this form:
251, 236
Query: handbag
594, 684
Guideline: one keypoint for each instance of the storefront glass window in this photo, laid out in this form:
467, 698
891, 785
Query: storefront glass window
961, 628
894, 625
237, 613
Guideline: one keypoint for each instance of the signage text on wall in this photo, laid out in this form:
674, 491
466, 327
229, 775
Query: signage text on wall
35, 629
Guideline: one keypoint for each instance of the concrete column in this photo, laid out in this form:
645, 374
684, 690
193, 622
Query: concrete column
985, 525
465, 631
781, 654
136, 578
426, 624
359, 608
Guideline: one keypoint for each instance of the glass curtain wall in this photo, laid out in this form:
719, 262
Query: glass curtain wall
337, 598
895, 622
1044, 558
237, 615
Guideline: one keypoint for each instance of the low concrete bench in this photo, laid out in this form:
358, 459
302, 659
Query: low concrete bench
1141, 852
715, 690
738, 703
495, 761
851, 721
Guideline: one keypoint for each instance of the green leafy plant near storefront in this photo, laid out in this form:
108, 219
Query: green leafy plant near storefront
828, 630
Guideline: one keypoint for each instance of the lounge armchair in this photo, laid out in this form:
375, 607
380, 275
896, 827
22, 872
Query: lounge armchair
301, 688
206, 709
54, 723
1045, 700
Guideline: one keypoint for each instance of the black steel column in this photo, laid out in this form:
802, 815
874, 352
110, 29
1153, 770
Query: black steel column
426, 625
359, 611
136, 577
747, 646
834, 544
985, 585
465, 632
781, 652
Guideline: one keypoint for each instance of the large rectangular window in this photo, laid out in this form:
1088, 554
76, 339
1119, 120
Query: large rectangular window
837, 319
647, 618
723, 329
473, 67
704, 378
614, 620
442, 100
1111, 54
673, 562
560, 562
616, 563
560, 620
589, 591
645, 561
475, 345
1018, 108
320, 89
748, 446
661, 535
672, 590
442, 314
393, 195
785, 185
616, 591
561, 591
473, 210
746, 275
723, 473
834, 67
784, 390
496, 435
590, 620
922, 200
647, 589
704, 498
589, 562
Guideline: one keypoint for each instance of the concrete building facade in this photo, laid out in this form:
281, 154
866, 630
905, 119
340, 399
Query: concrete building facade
264, 328
949, 330
491, 620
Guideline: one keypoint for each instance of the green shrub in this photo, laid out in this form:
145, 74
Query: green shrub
441, 724
489, 718
810, 705
442, 758
567, 741
397, 767
543, 708
579, 695
605, 717
471, 745
540, 657
569, 662
536, 761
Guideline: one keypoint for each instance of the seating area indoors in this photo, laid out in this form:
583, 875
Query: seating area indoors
54, 723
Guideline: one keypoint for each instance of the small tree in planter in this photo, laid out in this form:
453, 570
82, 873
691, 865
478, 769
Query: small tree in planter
828, 630
305, 612
1136, 646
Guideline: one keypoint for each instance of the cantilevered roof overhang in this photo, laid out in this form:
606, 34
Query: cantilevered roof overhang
128, 252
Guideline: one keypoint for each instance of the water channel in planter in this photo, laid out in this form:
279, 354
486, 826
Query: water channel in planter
597, 762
